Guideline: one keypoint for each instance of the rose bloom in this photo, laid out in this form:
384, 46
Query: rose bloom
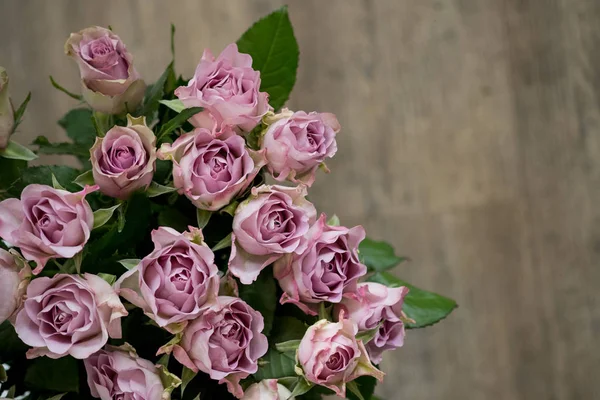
330, 355
267, 389
211, 171
118, 373
7, 117
47, 223
328, 267
123, 161
296, 143
225, 341
271, 223
174, 282
372, 304
110, 83
69, 315
228, 89
14, 278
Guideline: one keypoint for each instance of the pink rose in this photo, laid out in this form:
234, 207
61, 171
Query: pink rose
110, 83
372, 304
14, 278
123, 161
69, 315
174, 282
7, 118
228, 89
267, 389
297, 143
271, 223
212, 171
325, 270
47, 223
118, 373
330, 355
225, 341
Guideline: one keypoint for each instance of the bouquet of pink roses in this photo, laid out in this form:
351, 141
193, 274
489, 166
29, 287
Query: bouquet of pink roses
166, 266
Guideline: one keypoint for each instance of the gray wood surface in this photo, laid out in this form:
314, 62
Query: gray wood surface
471, 140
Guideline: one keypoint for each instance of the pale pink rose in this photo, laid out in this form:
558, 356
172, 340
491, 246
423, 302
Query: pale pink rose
47, 223
328, 267
7, 118
228, 89
296, 144
110, 83
267, 389
225, 341
373, 304
212, 171
174, 282
272, 222
15, 275
123, 161
330, 355
118, 373
69, 315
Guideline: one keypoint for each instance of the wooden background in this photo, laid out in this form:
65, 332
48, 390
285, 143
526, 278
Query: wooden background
471, 140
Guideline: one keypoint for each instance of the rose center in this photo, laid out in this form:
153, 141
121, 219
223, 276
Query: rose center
217, 164
124, 157
335, 361
231, 330
100, 49
274, 223
44, 221
180, 278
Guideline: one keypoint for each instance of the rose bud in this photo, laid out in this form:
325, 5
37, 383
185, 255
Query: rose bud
109, 82
123, 161
267, 389
225, 341
297, 143
14, 278
7, 118
47, 223
212, 171
271, 223
328, 267
373, 304
69, 315
118, 373
330, 355
174, 282
228, 89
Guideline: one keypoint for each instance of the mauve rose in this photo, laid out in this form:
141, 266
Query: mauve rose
110, 83
123, 161
225, 341
14, 278
296, 143
69, 315
211, 171
325, 270
47, 223
174, 282
270, 223
118, 373
330, 355
228, 89
267, 389
7, 118
372, 304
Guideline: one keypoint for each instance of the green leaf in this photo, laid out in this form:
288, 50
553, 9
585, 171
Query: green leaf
11, 172
155, 93
46, 147
10, 344
230, 208
16, 151
274, 50
57, 397
186, 376
333, 221
87, 178
102, 122
426, 308
173, 218
56, 184
60, 375
109, 278
65, 91
130, 263
289, 346
362, 386
79, 126
278, 365
175, 105
103, 215
378, 256
3, 376
176, 122
156, 189
43, 175
262, 296
301, 387
223, 243
366, 336
202, 217
20, 111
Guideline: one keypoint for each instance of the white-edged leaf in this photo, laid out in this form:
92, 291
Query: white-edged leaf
16, 151
130, 263
175, 105
156, 189
202, 217
103, 215
87, 178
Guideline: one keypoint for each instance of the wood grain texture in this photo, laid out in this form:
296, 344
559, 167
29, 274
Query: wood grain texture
471, 140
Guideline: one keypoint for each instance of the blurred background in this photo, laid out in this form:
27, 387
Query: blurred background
470, 140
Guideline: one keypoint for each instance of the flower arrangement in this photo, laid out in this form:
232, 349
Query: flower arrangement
166, 266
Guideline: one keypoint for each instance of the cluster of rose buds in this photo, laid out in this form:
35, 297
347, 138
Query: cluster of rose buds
178, 285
